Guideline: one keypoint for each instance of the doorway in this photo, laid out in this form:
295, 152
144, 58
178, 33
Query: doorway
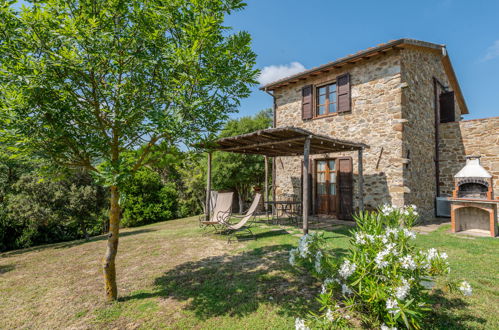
327, 199
334, 187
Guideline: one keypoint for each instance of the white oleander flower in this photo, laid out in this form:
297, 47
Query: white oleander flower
408, 262
345, 290
360, 238
303, 245
392, 231
379, 260
370, 237
385, 327
409, 233
329, 315
392, 305
465, 288
318, 260
402, 291
432, 254
300, 324
347, 269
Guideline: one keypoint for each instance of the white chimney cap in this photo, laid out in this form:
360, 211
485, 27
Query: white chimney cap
473, 169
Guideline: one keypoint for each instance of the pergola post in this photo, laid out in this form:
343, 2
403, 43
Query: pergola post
361, 180
208, 188
266, 186
305, 203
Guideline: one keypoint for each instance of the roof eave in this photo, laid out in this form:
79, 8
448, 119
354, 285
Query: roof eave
351, 59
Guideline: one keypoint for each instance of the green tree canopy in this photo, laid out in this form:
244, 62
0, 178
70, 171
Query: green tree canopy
240, 172
84, 81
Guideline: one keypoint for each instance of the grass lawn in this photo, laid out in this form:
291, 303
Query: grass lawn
171, 276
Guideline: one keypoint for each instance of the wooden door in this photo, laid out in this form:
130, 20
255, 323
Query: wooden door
345, 188
326, 191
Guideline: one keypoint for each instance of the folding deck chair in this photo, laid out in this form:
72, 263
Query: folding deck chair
246, 221
221, 212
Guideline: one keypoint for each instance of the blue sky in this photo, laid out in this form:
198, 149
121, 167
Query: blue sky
295, 35
315, 32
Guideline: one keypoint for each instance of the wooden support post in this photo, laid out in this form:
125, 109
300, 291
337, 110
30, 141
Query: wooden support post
361, 181
208, 189
306, 163
266, 186
274, 175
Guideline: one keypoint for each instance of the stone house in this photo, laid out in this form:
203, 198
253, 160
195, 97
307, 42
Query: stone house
402, 99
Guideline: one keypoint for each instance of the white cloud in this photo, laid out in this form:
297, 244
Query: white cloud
272, 73
492, 51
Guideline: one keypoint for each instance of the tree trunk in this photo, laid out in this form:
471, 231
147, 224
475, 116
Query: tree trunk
112, 247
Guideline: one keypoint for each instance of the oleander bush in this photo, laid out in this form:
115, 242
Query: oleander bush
383, 281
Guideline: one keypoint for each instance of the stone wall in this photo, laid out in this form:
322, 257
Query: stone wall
476, 137
375, 119
419, 67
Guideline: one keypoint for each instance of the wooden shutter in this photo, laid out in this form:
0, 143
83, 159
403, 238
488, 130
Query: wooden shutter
343, 89
345, 188
307, 111
447, 107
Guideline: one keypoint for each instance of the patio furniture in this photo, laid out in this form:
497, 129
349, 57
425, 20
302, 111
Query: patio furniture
221, 212
286, 208
246, 220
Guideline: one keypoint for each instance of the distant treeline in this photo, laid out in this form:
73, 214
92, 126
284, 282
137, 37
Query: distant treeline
38, 206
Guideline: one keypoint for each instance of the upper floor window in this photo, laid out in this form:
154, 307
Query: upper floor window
326, 99
318, 101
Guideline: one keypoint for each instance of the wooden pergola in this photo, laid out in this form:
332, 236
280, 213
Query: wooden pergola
285, 141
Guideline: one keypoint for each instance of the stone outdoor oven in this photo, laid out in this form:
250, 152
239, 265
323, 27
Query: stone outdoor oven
473, 207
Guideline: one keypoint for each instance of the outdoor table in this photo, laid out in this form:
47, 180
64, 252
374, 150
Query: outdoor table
285, 207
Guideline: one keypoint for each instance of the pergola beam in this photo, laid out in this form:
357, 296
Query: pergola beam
263, 144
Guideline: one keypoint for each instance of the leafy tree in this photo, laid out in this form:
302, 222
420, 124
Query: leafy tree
82, 82
238, 171
192, 185
39, 211
147, 200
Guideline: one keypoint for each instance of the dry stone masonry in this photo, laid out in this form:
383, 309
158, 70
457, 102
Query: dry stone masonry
393, 107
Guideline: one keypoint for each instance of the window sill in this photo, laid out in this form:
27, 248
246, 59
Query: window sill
329, 115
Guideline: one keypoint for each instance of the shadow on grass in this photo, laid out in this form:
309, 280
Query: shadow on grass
69, 244
237, 285
447, 313
6, 268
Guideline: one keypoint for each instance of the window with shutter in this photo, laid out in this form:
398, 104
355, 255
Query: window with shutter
447, 107
307, 104
343, 86
325, 99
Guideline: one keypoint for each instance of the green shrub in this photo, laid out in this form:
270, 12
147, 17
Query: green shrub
39, 211
146, 199
384, 279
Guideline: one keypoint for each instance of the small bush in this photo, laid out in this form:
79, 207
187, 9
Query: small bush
146, 200
384, 281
